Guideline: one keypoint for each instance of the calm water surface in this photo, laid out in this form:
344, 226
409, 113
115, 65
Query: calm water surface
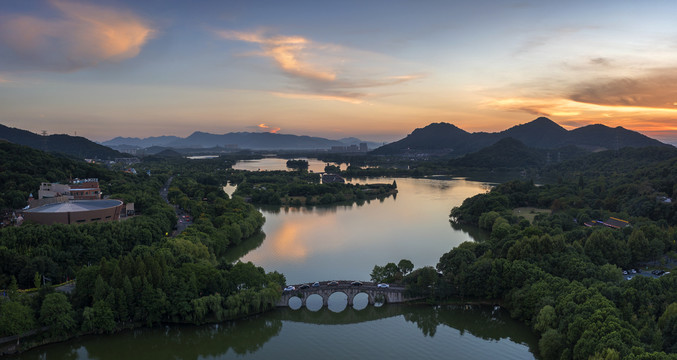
338, 242
344, 242
268, 164
388, 332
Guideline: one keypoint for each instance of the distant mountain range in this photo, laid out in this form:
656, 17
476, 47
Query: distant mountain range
434, 139
543, 133
75, 146
240, 140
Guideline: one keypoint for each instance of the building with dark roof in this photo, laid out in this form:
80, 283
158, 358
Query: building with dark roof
332, 178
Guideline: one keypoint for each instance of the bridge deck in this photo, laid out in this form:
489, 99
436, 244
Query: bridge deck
391, 294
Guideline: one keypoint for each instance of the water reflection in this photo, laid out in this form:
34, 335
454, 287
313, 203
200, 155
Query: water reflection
319, 243
272, 164
473, 231
238, 251
477, 332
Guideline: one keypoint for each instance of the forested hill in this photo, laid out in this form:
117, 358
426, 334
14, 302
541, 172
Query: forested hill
649, 161
512, 153
447, 139
22, 169
75, 146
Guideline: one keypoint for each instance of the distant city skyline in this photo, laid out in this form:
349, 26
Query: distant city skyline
375, 70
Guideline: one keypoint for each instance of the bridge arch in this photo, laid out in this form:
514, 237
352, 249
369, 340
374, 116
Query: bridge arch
314, 302
335, 301
361, 300
295, 302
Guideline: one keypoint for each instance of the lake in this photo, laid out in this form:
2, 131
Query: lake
268, 164
344, 242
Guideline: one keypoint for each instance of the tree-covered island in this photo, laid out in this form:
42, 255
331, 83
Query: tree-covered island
298, 188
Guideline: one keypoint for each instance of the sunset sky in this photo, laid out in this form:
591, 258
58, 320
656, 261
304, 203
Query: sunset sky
372, 69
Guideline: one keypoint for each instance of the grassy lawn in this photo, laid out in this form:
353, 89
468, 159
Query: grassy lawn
529, 213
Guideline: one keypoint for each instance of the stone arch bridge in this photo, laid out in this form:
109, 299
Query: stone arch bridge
389, 295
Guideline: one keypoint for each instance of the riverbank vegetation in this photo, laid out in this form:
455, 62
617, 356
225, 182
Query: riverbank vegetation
566, 279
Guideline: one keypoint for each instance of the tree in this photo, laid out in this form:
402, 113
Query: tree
551, 344
639, 245
422, 282
668, 325
392, 273
15, 319
56, 312
456, 260
487, 219
99, 318
37, 279
546, 319
607, 354
377, 274
405, 266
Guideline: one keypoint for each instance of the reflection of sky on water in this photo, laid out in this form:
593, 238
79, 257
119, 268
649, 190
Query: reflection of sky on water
345, 242
268, 164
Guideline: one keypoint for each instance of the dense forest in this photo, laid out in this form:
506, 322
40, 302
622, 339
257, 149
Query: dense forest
129, 273
566, 279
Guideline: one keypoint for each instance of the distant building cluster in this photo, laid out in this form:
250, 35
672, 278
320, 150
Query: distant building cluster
350, 148
126, 161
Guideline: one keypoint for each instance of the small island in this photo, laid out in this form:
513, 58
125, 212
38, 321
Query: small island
299, 165
303, 188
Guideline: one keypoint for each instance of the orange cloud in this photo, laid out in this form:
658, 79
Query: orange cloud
287, 51
315, 67
83, 36
268, 128
653, 121
348, 99
656, 89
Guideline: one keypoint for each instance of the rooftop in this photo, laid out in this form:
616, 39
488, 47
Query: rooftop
76, 206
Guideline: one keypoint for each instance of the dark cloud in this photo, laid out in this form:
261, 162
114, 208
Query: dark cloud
601, 61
